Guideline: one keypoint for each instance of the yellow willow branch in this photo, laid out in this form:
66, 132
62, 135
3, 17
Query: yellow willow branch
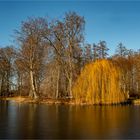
100, 82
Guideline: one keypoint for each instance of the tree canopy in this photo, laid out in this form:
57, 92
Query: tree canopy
100, 82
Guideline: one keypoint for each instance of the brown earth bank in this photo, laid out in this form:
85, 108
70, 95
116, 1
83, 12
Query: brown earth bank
26, 99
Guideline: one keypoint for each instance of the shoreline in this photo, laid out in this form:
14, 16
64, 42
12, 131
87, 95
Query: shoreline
21, 99
26, 99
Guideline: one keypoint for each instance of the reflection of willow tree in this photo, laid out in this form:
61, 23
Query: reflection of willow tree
100, 122
100, 83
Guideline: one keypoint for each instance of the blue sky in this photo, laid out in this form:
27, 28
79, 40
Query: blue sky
113, 21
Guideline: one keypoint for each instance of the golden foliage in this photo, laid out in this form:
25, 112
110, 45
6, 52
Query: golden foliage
100, 82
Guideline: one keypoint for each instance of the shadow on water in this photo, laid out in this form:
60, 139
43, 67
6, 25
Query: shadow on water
65, 121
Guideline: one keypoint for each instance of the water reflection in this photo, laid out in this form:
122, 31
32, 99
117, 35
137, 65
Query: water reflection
101, 122
58, 121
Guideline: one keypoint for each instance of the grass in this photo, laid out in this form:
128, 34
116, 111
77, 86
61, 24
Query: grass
136, 102
26, 99
43, 100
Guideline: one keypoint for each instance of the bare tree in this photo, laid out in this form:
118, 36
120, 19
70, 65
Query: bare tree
74, 26
66, 37
32, 51
121, 50
102, 50
6, 69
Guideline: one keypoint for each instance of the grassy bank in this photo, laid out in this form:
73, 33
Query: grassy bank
26, 99
136, 102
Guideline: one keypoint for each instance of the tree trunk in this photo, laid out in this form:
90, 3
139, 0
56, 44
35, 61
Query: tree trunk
57, 83
19, 84
32, 86
70, 87
8, 82
2, 84
70, 71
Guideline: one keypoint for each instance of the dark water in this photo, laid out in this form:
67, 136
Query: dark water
59, 121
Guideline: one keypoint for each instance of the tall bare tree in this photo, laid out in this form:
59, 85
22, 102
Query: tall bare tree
66, 37
32, 51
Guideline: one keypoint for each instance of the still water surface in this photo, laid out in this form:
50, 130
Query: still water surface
59, 121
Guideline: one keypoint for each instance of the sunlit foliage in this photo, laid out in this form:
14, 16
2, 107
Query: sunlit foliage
100, 82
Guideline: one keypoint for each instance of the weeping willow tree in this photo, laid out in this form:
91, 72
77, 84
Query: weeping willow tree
100, 82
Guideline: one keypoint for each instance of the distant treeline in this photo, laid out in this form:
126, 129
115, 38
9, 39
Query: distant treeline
50, 56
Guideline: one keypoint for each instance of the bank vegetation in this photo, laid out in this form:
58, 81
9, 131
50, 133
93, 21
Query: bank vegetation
50, 60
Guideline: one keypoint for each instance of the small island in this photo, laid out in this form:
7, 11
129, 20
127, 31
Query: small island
52, 64
70, 69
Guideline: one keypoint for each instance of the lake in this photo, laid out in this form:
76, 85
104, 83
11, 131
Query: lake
68, 121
